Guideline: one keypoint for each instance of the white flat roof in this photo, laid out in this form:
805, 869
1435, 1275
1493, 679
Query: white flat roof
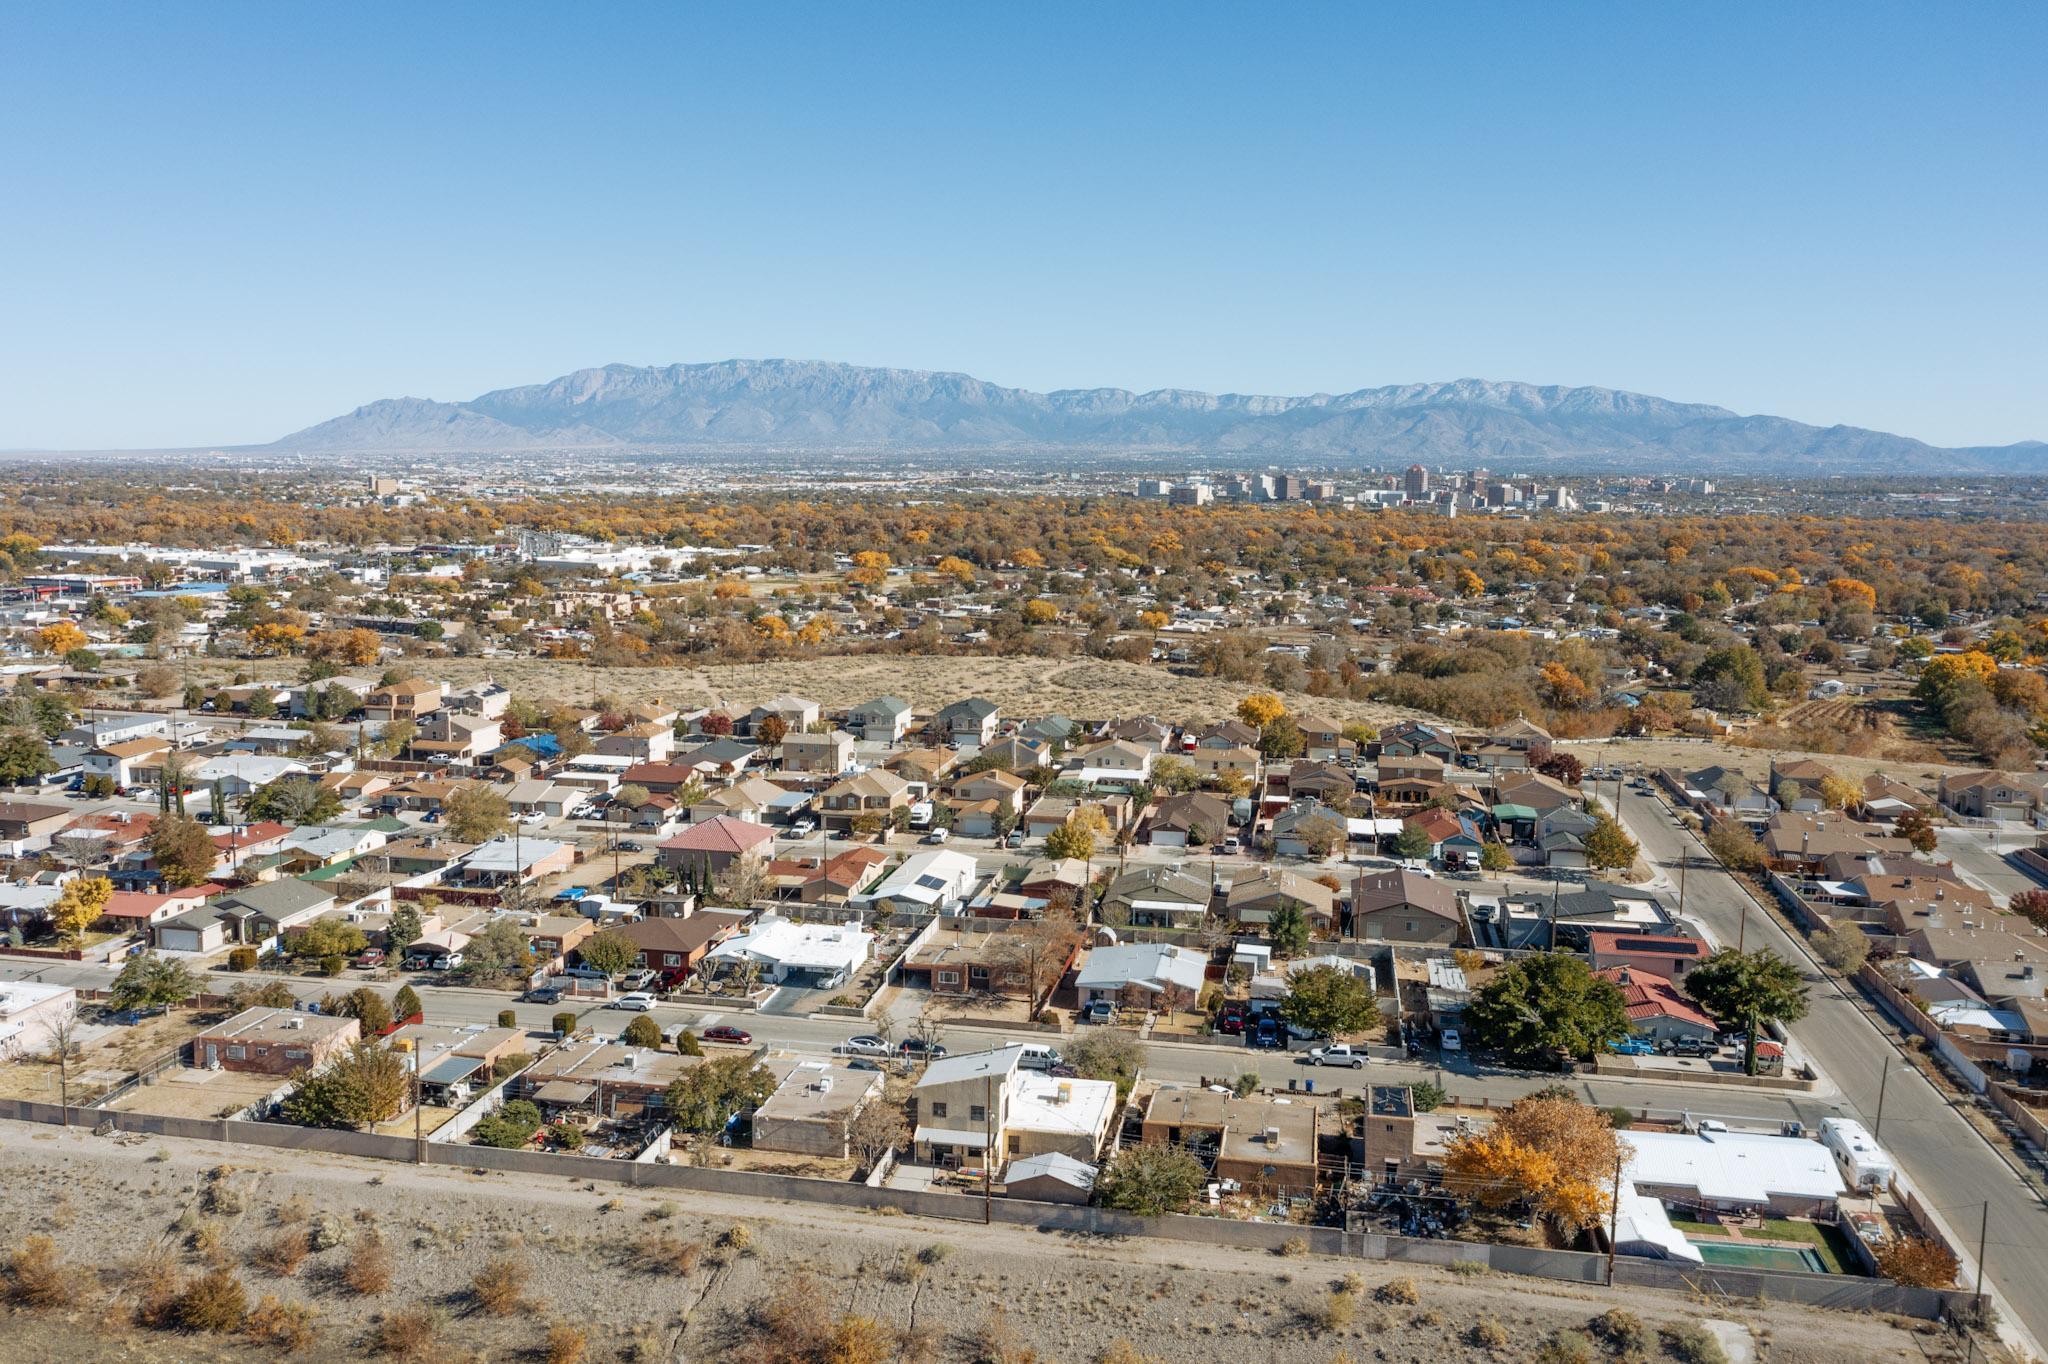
1035, 1104
1734, 1167
811, 947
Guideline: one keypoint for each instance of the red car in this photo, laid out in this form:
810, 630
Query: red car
370, 956
726, 1033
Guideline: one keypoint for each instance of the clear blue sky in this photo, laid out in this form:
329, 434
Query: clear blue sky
226, 222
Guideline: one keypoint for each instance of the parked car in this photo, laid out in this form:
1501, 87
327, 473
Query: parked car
803, 828
1230, 1019
1233, 844
571, 894
1630, 1046
1691, 1046
1341, 1054
865, 1045
936, 836
630, 846
370, 956
638, 1002
542, 994
1097, 1011
1015, 840
1450, 1041
640, 980
725, 1032
917, 1046
1267, 1034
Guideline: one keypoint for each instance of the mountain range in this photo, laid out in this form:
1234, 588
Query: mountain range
824, 407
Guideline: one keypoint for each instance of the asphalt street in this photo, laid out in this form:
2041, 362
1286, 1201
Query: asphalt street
1958, 1172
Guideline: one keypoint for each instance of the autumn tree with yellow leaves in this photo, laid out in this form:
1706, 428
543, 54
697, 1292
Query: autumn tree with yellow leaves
1549, 1151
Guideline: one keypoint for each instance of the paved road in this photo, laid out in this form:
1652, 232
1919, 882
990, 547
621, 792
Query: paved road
1956, 1169
1979, 854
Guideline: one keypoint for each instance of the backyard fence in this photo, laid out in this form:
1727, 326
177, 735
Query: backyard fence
1834, 1291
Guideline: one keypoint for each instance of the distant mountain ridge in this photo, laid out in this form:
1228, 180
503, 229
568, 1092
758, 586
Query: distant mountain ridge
824, 406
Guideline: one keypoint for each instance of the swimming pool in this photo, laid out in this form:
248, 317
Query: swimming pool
1738, 1255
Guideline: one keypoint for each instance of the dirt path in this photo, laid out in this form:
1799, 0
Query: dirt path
113, 1203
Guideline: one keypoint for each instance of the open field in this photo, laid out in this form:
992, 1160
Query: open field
1094, 689
1027, 687
113, 1203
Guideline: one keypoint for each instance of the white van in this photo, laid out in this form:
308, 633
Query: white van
1038, 1056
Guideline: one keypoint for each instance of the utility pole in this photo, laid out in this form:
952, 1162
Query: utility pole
1983, 1243
1884, 1076
1613, 1218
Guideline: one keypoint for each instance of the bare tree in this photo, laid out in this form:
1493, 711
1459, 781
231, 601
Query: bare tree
744, 881
1039, 950
64, 1049
876, 1130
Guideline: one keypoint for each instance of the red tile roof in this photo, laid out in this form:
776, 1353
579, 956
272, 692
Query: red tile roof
725, 834
1649, 996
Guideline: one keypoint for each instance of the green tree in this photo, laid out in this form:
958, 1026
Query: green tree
149, 981
1150, 1180
328, 938
610, 952
643, 1031
511, 1127
294, 801
406, 1003
1427, 1096
1281, 738
476, 813
1494, 856
1748, 990
1109, 1054
364, 1085
367, 1007
1412, 842
405, 926
24, 757
1288, 931
1175, 775
1608, 847
1330, 1001
1731, 679
498, 949
182, 849
706, 1097
1547, 1005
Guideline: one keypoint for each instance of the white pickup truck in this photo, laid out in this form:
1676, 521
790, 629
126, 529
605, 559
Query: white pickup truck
1342, 1054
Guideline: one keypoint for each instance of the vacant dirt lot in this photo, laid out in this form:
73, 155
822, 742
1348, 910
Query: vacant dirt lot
1083, 688
585, 1256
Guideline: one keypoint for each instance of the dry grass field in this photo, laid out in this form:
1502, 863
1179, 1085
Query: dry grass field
485, 1266
1028, 687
